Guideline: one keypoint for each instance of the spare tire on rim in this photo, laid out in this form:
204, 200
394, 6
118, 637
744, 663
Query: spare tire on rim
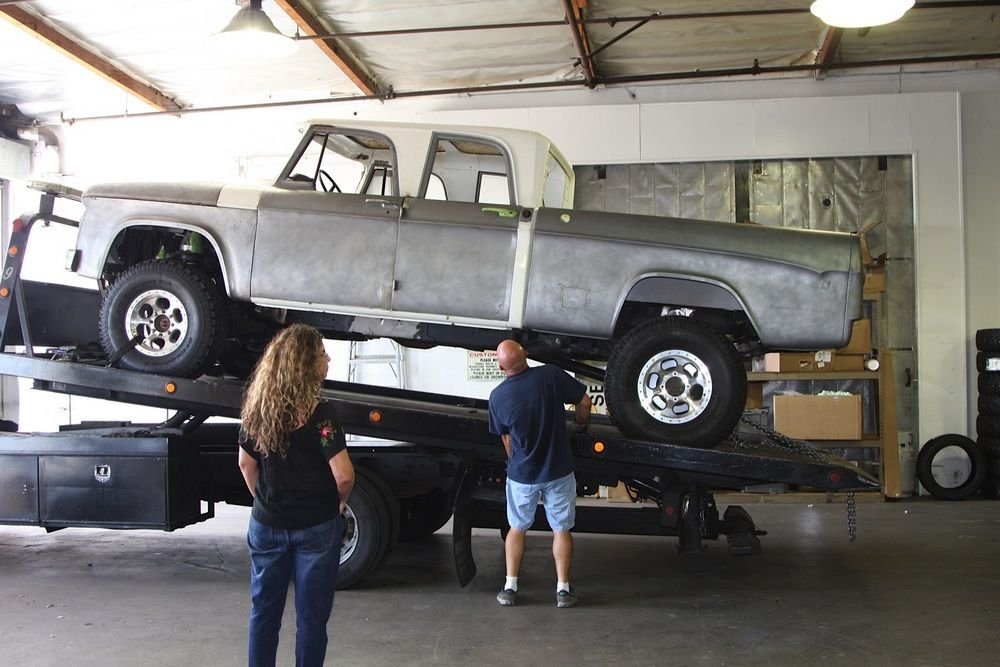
968, 478
163, 317
676, 380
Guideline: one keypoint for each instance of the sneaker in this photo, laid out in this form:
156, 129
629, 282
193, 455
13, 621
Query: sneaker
506, 597
566, 598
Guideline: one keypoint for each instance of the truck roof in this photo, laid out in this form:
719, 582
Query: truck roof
528, 151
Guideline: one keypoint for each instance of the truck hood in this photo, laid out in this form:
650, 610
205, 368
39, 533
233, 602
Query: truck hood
201, 194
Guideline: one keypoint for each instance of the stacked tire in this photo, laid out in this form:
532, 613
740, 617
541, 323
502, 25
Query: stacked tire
952, 466
988, 420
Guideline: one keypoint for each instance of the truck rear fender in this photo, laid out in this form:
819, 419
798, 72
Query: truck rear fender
697, 293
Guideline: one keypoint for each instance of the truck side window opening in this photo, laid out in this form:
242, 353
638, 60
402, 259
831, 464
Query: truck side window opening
469, 170
492, 189
334, 162
380, 181
554, 194
436, 189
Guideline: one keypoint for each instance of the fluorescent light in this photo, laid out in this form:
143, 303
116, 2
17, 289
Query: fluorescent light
859, 13
251, 34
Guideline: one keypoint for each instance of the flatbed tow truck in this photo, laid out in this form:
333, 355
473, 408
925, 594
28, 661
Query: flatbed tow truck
434, 459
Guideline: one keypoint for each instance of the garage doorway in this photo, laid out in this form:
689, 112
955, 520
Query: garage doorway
844, 194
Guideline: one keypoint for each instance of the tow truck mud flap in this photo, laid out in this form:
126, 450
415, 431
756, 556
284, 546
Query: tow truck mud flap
465, 564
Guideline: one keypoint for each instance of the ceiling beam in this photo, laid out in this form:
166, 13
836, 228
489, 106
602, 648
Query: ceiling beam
312, 26
824, 57
755, 70
574, 17
85, 56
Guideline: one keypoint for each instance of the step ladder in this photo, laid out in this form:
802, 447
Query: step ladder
357, 357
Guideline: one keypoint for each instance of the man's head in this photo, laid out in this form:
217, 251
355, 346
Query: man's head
511, 357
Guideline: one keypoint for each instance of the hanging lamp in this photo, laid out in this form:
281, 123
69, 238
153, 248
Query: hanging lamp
859, 13
252, 34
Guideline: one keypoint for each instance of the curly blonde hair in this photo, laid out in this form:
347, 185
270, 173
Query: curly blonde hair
284, 388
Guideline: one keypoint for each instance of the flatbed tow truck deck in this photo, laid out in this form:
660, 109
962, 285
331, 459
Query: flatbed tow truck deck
441, 460
435, 458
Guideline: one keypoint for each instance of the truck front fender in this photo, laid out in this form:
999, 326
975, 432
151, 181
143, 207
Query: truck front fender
230, 232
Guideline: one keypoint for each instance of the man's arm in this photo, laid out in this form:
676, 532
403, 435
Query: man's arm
583, 412
506, 443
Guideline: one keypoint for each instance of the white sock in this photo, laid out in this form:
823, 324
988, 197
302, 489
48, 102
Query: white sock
511, 583
562, 586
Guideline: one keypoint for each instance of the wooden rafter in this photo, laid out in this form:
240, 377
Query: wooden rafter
574, 16
311, 25
824, 57
80, 53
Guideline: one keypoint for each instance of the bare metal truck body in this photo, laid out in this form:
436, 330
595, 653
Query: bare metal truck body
463, 236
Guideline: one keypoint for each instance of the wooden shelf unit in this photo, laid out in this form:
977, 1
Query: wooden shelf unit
885, 392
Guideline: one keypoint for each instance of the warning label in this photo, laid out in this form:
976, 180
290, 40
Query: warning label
483, 367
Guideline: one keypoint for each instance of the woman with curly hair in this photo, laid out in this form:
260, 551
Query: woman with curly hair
294, 459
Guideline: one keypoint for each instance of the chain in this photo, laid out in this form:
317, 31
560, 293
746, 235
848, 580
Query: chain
852, 517
781, 441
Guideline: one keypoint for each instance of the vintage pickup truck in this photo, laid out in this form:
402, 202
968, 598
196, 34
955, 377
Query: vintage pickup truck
462, 236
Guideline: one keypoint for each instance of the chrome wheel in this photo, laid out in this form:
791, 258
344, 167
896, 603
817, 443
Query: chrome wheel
674, 386
160, 319
675, 380
350, 534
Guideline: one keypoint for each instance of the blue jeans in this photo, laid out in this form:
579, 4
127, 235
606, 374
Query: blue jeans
310, 555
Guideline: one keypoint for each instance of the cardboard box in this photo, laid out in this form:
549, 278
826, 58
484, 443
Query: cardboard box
808, 362
847, 362
818, 417
755, 396
789, 362
874, 282
861, 339
614, 494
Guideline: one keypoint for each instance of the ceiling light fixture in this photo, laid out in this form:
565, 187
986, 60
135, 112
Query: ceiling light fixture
859, 13
252, 34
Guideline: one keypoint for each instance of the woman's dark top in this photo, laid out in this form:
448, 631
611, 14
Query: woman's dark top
299, 490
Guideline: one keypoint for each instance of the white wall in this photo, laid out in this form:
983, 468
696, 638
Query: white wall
15, 159
981, 163
917, 115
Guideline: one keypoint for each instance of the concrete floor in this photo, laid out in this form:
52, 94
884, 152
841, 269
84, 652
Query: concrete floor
920, 586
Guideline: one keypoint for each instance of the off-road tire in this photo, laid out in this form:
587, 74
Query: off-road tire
659, 350
178, 297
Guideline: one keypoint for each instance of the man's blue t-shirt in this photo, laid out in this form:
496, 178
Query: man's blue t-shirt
530, 406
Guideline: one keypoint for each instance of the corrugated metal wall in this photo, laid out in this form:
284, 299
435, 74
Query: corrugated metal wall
842, 194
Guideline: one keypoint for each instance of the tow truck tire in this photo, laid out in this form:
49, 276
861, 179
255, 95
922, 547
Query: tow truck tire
425, 515
366, 538
176, 309
677, 380
965, 488
389, 505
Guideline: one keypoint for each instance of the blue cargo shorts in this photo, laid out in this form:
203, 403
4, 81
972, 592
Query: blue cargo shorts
558, 497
